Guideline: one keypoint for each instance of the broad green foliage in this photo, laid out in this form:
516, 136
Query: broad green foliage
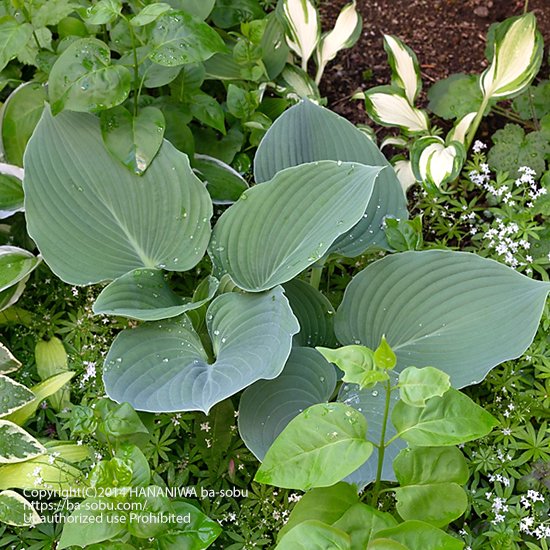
416, 534
160, 219
14, 37
11, 196
13, 395
164, 367
8, 363
51, 359
418, 385
457, 311
17, 510
315, 535
455, 96
15, 265
16, 445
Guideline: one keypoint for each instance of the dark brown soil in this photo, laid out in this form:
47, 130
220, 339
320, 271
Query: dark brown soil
448, 36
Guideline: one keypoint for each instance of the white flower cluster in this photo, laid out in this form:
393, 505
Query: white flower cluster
504, 240
527, 180
89, 373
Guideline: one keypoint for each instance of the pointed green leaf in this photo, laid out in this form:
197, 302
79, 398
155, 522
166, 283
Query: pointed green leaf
9, 296
164, 367
51, 358
13, 37
417, 385
15, 265
314, 313
314, 535
11, 196
144, 294
102, 12
149, 13
309, 133
83, 79
263, 240
318, 448
8, 363
17, 510
134, 141
13, 395
448, 420
455, 310
268, 406
178, 38
109, 220
384, 358
16, 444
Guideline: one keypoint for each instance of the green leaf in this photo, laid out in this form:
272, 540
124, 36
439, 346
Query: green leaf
178, 38
164, 367
20, 115
455, 310
403, 235
386, 544
10, 296
318, 448
361, 522
144, 294
83, 79
448, 420
283, 240
309, 133
417, 534
534, 102
268, 406
149, 13
11, 196
8, 363
198, 8
214, 442
314, 312
17, 510
274, 47
15, 265
241, 103
417, 385
52, 12
326, 504
13, 37
51, 358
230, 13
384, 358
13, 395
90, 523
314, 535
208, 111
358, 365
123, 424
455, 96
102, 12
17, 445
133, 140
66, 451
159, 219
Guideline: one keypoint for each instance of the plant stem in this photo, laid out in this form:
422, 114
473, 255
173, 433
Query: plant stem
475, 124
382, 446
316, 272
137, 91
526, 6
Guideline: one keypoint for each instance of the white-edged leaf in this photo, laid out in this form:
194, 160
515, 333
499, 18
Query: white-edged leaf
404, 66
15, 265
389, 106
17, 510
460, 129
263, 240
93, 220
11, 196
163, 366
8, 363
16, 444
309, 133
268, 406
404, 173
13, 395
455, 310
303, 28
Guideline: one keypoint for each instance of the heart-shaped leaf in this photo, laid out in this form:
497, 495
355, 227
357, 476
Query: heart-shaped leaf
144, 294
134, 141
93, 220
452, 310
263, 240
13, 395
17, 445
164, 366
15, 265
309, 133
83, 79
318, 448
268, 406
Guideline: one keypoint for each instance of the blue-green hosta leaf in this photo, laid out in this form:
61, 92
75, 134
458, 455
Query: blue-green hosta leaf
404, 66
309, 133
83, 79
93, 220
13, 395
16, 444
162, 367
263, 240
453, 310
314, 535
17, 510
133, 140
178, 38
13, 37
20, 115
8, 363
15, 265
317, 448
314, 313
268, 406
144, 294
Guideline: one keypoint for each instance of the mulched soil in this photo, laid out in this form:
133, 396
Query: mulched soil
448, 36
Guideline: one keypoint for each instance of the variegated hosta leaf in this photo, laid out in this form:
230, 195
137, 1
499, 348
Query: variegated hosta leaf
309, 133
460, 129
17, 510
268, 406
345, 33
13, 395
404, 66
8, 363
434, 163
389, 106
15, 265
303, 28
296, 84
16, 444
516, 58
404, 173
454, 311
163, 366
10, 296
